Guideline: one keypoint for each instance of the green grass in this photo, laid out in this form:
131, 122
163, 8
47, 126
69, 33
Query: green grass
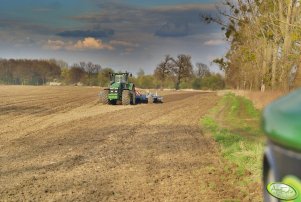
234, 124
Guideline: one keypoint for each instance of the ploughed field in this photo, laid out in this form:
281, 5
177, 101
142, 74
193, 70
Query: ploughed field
61, 144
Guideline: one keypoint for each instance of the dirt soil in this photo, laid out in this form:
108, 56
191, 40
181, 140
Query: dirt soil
60, 144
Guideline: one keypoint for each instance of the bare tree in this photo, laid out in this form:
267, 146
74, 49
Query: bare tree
182, 68
91, 71
76, 74
104, 75
202, 70
163, 70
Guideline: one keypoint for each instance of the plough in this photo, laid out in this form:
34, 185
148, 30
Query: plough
148, 98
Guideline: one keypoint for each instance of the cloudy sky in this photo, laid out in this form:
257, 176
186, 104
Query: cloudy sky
122, 34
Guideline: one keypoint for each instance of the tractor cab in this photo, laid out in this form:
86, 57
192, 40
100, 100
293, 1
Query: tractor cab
119, 77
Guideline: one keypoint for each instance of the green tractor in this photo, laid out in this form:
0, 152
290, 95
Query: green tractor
120, 90
282, 157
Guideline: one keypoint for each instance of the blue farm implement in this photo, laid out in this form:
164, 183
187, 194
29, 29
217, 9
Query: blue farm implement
148, 98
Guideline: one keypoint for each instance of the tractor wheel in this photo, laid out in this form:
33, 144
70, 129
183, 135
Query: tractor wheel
104, 97
133, 98
126, 97
150, 100
268, 177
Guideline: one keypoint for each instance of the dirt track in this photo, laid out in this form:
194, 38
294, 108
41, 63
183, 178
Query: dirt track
59, 144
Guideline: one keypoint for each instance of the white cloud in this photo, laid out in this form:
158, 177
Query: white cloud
88, 43
92, 43
214, 42
54, 44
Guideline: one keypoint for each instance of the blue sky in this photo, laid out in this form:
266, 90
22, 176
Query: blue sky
165, 2
122, 34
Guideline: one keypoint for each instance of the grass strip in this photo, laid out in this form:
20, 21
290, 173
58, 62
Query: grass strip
234, 125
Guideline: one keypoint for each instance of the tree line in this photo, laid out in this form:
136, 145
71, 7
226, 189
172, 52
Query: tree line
264, 39
28, 72
181, 73
170, 73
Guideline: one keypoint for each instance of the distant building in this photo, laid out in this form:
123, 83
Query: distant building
55, 84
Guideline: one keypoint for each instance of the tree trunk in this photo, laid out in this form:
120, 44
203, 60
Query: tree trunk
274, 66
177, 85
297, 81
162, 83
286, 46
264, 62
